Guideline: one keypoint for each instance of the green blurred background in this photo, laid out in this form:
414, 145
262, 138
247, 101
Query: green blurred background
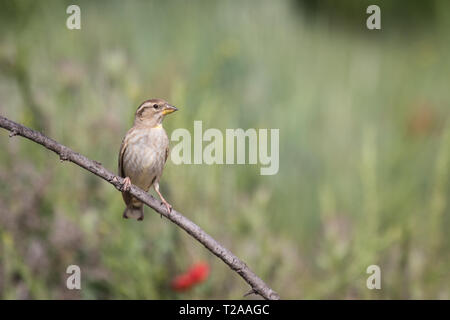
364, 146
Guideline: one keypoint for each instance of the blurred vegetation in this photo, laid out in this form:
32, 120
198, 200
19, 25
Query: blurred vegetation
364, 147
400, 15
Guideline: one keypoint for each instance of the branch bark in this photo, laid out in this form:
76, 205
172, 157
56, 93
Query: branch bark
258, 286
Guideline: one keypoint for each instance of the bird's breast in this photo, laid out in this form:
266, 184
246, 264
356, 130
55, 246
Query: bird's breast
144, 156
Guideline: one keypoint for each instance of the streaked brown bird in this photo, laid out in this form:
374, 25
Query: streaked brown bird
143, 154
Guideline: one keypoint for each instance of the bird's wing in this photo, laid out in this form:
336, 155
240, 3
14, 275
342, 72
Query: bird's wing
167, 154
123, 147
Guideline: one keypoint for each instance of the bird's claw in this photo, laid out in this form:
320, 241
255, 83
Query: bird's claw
168, 206
126, 184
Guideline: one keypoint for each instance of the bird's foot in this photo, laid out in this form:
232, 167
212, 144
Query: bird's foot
141, 217
126, 184
125, 215
163, 201
168, 206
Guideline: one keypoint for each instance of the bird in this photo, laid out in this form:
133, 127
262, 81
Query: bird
143, 154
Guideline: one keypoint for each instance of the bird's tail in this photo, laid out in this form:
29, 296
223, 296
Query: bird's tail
134, 211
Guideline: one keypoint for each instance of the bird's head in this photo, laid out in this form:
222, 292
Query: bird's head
152, 112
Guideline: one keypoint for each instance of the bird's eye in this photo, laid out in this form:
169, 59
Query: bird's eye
155, 106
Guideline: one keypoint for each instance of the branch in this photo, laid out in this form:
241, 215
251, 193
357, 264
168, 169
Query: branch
257, 285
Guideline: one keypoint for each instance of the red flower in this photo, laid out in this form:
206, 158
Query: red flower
182, 282
197, 273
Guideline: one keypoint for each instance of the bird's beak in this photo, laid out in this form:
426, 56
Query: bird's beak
169, 109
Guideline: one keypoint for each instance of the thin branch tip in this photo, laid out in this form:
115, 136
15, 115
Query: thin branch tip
250, 292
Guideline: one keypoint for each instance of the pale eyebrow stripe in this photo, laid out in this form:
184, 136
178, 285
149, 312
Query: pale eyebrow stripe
144, 105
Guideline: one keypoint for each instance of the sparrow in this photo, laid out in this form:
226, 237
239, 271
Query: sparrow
143, 154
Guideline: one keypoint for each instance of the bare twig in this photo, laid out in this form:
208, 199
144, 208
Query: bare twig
66, 154
250, 292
